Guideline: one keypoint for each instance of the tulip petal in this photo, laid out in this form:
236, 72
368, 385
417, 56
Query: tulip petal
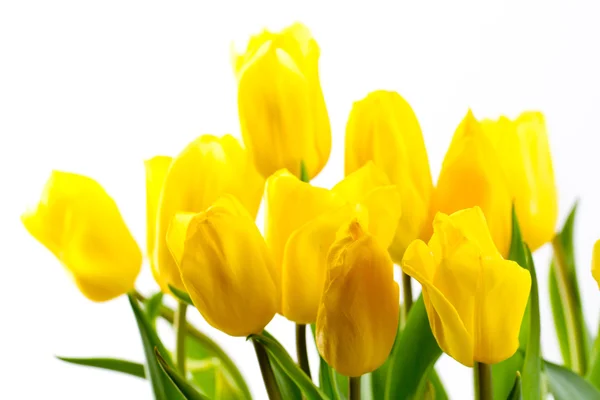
446, 323
503, 291
81, 225
305, 264
177, 234
474, 227
156, 172
596, 262
370, 187
290, 204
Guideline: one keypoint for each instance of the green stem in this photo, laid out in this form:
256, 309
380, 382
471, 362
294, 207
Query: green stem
566, 294
267, 371
301, 348
180, 326
354, 388
483, 381
169, 315
407, 293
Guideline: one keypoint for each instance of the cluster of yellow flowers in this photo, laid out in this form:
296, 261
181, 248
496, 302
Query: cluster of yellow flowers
327, 255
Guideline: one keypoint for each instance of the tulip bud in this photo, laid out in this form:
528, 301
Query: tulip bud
475, 300
81, 225
206, 169
358, 315
225, 266
524, 153
596, 262
472, 175
281, 107
383, 128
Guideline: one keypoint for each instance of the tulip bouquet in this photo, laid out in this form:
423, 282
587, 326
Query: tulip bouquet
325, 260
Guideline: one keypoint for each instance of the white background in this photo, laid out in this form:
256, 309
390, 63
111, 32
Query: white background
97, 87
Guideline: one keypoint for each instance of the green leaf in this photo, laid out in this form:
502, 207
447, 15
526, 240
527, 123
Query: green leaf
558, 315
184, 388
212, 369
162, 386
503, 373
287, 387
532, 366
152, 307
593, 374
438, 387
181, 295
112, 364
414, 354
566, 301
334, 385
280, 357
567, 385
515, 393
211, 374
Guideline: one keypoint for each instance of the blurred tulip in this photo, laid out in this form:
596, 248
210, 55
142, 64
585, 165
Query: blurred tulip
472, 175
225, 267
81, 225
596, 262
358, 315
383, 128
206, 169
368, 197
475, 299
281, 107
524, 153
156, 172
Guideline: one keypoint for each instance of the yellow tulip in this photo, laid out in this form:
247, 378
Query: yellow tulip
225, 267
383, 128
475, 299
281, 107
313, 216
596, 262
358, 315
472, 175
206, 169
156, 172
81, 225
524, 153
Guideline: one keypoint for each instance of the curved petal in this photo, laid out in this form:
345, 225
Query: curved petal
503, 291
290, 203
305, 264
446, 324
